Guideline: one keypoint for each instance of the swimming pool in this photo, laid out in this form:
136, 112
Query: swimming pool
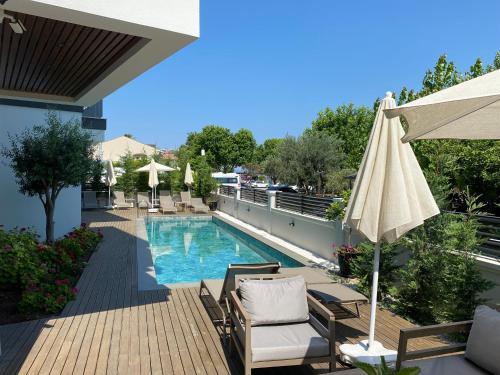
188, 249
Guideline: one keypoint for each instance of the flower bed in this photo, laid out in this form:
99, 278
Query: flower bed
38, 279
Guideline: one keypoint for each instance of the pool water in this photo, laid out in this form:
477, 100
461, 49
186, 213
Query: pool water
189, 249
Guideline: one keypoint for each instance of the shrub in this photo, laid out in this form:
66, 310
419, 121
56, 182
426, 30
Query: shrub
442, 281
17, 266
44, 274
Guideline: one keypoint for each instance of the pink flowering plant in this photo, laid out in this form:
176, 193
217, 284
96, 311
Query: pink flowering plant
345, 255
43, 274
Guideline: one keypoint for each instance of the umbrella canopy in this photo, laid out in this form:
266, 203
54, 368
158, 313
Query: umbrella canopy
469, 110
188, 177
153, 176
110, 179
110, 174
159, 167
390, 196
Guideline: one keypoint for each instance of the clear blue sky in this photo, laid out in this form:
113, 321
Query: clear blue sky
271, 66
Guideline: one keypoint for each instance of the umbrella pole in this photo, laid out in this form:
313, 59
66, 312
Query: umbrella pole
109, 196
373, 310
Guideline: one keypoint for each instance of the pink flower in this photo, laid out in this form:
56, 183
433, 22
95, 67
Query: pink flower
60, 300
7, 248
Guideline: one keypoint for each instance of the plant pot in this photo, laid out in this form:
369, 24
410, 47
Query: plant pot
345, 264
212, 205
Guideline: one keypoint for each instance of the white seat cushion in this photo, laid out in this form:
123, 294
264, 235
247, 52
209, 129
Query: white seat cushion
275, 301
300, 340
483, 345
449, 365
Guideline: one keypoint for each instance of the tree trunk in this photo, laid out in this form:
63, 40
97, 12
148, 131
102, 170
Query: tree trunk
49, 221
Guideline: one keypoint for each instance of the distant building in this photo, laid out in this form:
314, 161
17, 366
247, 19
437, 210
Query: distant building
115, 148
168, 155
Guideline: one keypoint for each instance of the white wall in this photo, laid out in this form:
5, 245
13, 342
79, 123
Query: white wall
312, 234
17, 209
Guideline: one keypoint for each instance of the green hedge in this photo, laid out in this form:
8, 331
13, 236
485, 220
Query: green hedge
44, 275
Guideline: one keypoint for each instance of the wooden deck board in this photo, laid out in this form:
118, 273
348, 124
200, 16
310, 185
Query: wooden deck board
112, 328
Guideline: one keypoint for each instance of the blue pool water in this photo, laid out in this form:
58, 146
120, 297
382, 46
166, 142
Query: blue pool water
189, 249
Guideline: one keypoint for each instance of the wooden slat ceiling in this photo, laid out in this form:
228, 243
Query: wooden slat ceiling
57, 58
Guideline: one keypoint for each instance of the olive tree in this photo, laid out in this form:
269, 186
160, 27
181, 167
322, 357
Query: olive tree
49, 158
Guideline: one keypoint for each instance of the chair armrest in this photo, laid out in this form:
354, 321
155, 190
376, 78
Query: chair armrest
317, 307
238, 306
438, 329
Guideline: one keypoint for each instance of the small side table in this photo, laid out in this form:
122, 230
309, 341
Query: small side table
181, 204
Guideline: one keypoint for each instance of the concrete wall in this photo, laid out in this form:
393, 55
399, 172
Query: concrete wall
17, 209
312, 234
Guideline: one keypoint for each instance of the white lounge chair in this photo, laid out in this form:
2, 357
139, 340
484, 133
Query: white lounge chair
186, 198
90, 200
197, 205
167, 204
120, 201
143, 200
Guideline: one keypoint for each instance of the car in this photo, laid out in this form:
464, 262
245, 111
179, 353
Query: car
259, 185
282, 188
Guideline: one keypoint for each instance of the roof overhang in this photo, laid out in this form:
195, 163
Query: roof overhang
78, 52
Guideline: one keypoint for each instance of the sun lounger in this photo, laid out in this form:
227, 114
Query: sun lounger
185, 198
218, 290
198, 206
120, 201
167, 204
90, 200
326, 290
274, 323
143, 200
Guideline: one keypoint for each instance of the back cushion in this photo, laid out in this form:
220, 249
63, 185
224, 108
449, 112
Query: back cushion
275, 301
483, 345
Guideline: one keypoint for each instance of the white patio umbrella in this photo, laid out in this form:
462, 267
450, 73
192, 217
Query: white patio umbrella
188, 177
153, 168
110, 179
153, 180
469, 110
159, 167
390, 196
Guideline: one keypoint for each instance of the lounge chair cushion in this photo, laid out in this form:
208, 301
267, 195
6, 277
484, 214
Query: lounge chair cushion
311, 275
483, 344
290, 341
454, 364
275, 301
335, 293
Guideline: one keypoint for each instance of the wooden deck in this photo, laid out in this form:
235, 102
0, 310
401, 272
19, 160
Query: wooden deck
112, 328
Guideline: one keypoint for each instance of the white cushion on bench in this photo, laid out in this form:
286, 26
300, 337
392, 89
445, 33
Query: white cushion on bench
275, 301
301, 340
483, 345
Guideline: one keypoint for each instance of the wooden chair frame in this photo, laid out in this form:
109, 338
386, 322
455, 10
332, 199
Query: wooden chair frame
240, 319
438, 329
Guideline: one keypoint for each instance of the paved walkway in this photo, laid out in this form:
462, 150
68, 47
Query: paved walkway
112, 328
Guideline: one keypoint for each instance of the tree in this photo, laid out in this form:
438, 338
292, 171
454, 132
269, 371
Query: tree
306, 160
244, 147
204, 183
127, 182
351, 125
49, 158
266, 149
218, 143
318, 155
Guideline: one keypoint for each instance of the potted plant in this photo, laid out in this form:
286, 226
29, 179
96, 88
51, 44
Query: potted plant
345, 254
